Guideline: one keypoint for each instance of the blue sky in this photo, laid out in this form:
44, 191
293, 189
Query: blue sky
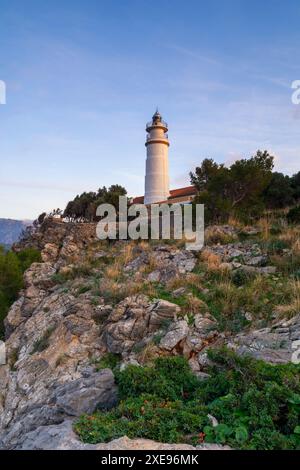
83, 77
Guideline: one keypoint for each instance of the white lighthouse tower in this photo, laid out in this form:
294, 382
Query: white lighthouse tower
157, 163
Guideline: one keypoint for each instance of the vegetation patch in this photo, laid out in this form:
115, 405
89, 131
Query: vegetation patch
43, 343
257, 405
108, 361
12, 267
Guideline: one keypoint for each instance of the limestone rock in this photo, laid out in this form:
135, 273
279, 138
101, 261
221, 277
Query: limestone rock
177, 332
205, 323
54, 437
2, 353
40, 274
124, 443
50, 252
14, 317
127, 324
86, 394
276, 344
161, 311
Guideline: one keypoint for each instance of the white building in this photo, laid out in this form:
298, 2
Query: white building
157, 167
157, 163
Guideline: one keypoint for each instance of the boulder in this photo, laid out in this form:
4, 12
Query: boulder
177, 332
86, 394
161, 311
54, 437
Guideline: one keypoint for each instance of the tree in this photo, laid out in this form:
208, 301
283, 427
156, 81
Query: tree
279, 193
83, 207
237, 190
295, 183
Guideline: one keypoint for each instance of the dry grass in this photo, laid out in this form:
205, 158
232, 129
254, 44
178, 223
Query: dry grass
296, 248
234, 222
114, 271
148, 354
265, 225
212, 260
127, 253
214, 235
188, 280
291, 236
293, 307
114, 291
196, 305
144, 245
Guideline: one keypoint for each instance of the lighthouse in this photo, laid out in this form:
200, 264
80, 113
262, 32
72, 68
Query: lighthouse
157, 163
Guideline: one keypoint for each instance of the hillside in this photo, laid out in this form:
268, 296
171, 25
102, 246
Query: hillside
10, 230
201, 348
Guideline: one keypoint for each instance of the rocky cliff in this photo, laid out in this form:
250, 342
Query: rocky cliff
89, 298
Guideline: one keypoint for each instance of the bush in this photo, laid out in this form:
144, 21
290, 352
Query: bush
28, 256
293, 216
12, 266
257, 405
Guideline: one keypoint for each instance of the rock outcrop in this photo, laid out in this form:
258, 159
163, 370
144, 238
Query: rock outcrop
277, 344
56, 332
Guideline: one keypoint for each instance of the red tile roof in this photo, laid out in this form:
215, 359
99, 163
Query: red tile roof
174, 193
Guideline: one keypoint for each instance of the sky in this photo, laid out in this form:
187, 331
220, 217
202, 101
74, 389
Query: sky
83, 77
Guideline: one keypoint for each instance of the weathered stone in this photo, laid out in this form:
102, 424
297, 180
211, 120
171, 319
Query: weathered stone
213, 447
268, 270
54, 437
272, 344
40, 274
124, 443
14, 317
2, 353
50, 252
205, 323
84, 395
70, 249
162, 311
179, 292
257, 261
127, 324
177, 332
154, 276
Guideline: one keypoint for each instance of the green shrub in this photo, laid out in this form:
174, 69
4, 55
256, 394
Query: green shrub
293, 216
257, 405
12, 267
28, 256
108, 361
240, 277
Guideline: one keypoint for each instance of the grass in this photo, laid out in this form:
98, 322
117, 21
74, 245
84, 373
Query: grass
231, 297
42, 343
288, 310
108, 361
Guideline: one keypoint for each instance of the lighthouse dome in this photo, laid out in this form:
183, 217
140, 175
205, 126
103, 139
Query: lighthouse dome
156, 116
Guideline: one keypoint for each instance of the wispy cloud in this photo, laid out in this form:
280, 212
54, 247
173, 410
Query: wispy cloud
193, 54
